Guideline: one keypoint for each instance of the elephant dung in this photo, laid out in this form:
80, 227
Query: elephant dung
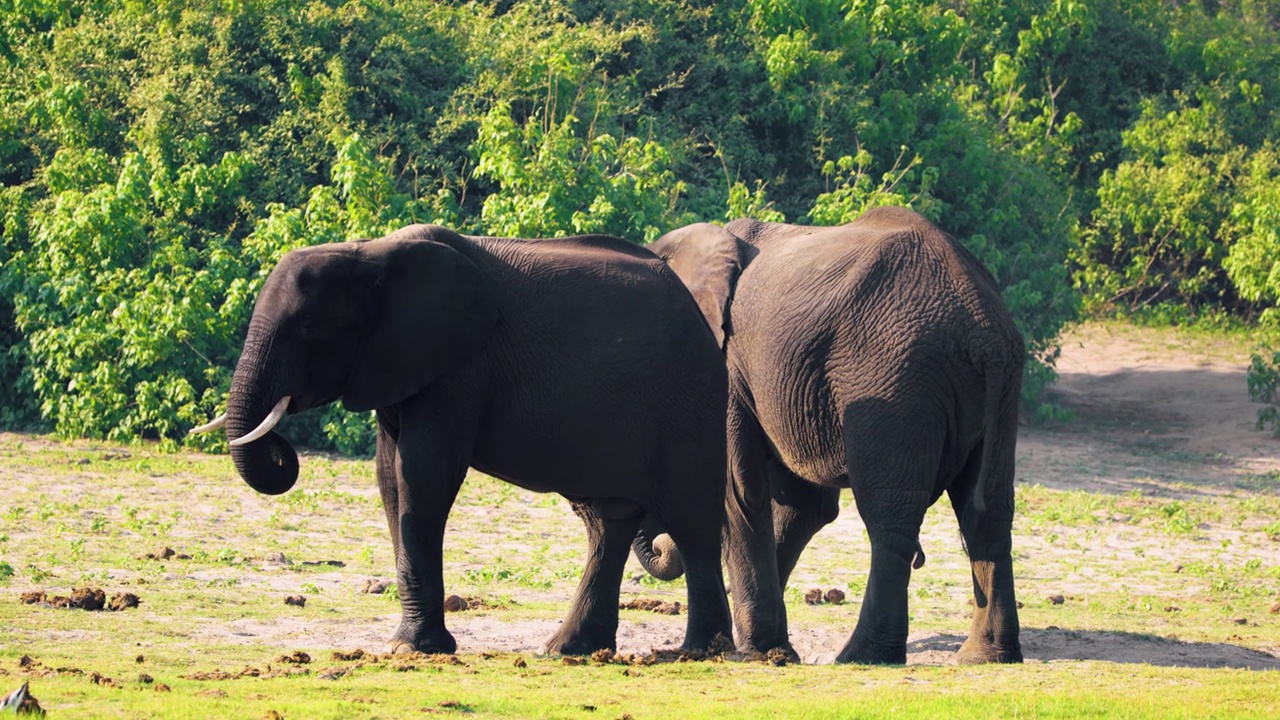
375, 586
123, 601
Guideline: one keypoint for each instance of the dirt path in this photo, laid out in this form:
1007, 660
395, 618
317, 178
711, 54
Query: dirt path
1154, 413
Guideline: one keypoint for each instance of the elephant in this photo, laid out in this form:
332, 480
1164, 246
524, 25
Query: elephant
877, 356
543, 363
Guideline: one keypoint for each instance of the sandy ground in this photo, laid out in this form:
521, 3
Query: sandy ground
1154, 415
1148, 406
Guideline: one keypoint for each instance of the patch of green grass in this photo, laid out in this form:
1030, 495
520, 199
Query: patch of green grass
1265, 482
500, 572
493, 686
1130, 563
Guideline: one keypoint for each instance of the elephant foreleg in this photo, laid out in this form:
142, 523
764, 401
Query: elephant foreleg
759, 614
592, 623
418, 488
385, 462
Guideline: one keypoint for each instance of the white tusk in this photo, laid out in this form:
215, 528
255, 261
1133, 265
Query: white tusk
277, 412
213, 424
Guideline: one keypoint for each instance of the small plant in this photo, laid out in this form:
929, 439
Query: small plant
37, 574
98, 524
497, 572
15, 512
132, 520
1264, 387
650, 581
277, 523
77, 548
310, 588
6, 570
227, 556
1272, 531
366, 555
1178, 519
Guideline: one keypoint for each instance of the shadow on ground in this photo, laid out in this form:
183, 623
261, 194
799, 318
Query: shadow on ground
1053, 644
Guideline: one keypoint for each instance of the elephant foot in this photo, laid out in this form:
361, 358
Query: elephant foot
862, 652
978, 652
439, 643
719, 642
580, 643
780, 655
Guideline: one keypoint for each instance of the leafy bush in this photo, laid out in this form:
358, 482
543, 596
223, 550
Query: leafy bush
1253, 261
156, 160
556, 177
1157, 232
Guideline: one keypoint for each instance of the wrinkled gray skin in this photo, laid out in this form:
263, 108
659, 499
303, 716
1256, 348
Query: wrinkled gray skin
876, 356
543, 363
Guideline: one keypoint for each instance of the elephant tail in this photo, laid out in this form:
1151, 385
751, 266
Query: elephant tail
994, 373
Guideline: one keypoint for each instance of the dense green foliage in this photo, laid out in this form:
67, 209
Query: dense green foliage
157, 158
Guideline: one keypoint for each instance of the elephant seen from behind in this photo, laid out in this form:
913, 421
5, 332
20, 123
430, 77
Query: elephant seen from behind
542, 363
877, 356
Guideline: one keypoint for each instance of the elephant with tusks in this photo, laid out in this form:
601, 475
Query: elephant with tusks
543, 363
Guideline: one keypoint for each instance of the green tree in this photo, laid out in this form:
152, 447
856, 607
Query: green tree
556, 178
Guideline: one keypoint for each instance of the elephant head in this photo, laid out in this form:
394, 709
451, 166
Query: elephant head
371, 322
708, 259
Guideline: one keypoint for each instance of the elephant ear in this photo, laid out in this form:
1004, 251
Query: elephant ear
430, 310
708, 259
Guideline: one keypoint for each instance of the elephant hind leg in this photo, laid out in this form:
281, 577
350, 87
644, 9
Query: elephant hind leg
880, 637
891, 473
800, 510
988, 540
592, 623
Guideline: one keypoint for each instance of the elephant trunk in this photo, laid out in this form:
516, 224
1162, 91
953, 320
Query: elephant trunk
269, 463
656, 551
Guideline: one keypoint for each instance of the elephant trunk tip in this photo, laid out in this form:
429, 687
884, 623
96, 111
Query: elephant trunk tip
662, 559
268, 465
